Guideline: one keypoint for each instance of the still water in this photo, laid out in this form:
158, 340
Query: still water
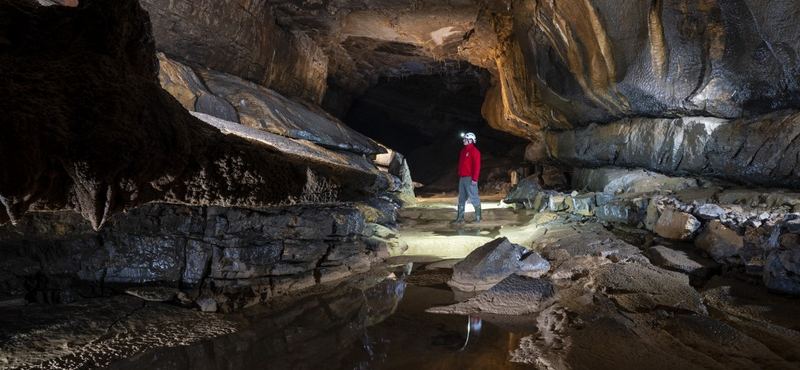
366, 324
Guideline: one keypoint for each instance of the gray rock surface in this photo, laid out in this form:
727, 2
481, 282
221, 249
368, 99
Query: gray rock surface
493, 262
681, 261
233, 256
636, 287
514, 295
243, 40
526, 190
782, 271
744, 151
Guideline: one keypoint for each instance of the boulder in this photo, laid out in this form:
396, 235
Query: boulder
637, 287
720, 242
782, 271
514, 295
525, 191
493, 262
582, 204
681, 261
624, 211
676, 225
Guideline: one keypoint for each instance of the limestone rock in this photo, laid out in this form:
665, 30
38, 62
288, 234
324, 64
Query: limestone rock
709, 211
493, 262
583, 204
131, 151
676, 225
526, 190
782, 271
207, 304
183, 84
731, 150
398, 167
720, 242
637, 287
622, 180
625, 211
678, 260
264, 109
557, 203
514, 295
243, 40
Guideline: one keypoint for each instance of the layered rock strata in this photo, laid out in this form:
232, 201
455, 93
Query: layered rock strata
760, 151
243, 40
91, 129
219, 258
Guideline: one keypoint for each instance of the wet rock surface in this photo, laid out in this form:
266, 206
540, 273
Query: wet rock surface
493, 262
221, 258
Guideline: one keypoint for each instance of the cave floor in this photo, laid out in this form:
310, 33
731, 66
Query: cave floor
427, 231
377, 320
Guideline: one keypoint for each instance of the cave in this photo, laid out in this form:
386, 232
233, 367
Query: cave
220, 184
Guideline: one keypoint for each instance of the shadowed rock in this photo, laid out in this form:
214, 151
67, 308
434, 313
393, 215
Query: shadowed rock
514, 295
94, 132
493, 262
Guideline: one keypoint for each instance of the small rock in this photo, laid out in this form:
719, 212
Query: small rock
207, 304
793, 226
557, 203
709, 211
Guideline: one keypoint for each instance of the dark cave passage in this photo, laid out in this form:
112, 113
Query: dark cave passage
422, 117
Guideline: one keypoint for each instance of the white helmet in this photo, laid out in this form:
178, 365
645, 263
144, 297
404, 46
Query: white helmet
469, 136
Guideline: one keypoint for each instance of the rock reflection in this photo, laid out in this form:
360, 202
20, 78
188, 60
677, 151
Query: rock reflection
314, 332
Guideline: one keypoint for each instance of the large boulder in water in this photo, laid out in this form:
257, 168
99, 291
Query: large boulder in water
493, 262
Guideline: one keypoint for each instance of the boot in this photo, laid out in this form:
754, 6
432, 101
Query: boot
460, 218
478, 217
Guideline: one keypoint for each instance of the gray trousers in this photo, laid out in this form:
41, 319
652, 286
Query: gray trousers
466, 189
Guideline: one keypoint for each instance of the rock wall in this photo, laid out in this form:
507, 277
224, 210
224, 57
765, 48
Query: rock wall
218, 257
761, 151
90, 129
241, 39
596, 61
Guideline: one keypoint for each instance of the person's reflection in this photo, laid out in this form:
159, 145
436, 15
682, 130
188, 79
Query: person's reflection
473, 331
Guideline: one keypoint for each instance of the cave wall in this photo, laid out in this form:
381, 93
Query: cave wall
242, 39
596, 61
758, 152
233, 256
90, 129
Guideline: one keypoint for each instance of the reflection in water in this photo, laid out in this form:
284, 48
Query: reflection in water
473, 331
381, 325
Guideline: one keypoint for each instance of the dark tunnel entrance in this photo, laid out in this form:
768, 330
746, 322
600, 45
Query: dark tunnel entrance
422, 117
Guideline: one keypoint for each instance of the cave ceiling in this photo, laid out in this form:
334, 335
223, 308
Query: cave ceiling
366, 40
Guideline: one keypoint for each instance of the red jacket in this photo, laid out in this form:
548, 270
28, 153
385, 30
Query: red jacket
470, 162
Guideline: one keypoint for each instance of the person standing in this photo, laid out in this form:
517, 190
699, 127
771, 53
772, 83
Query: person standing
469, 167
